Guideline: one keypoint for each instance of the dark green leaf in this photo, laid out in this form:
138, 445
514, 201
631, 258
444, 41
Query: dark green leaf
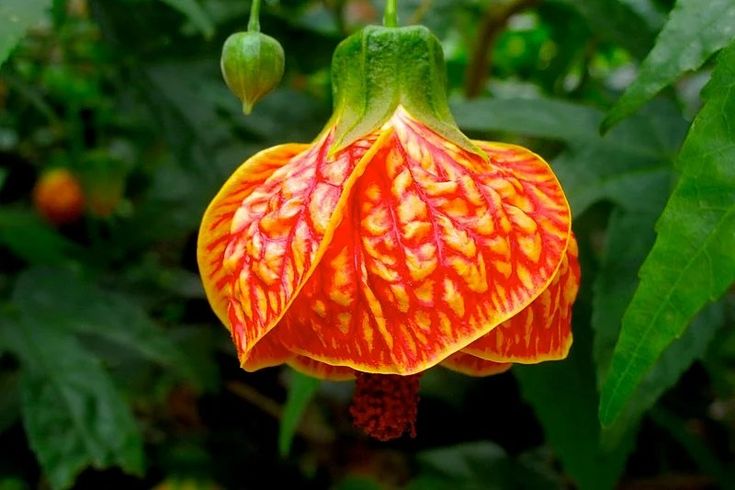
564, 397
195, 13
300, 392
692, 34
630, 236
677, 358
9, 399
462, 461
614, 287
692, 262
592, 174
33, 240
468, 466
12, 483
357, 483
73, 415
648, 11
616, 21
707, 461
64, 298
692, 345
542, 118
720, 357
477, 466
16, 16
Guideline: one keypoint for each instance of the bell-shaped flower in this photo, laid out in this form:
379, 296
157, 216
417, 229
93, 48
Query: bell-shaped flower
392, 243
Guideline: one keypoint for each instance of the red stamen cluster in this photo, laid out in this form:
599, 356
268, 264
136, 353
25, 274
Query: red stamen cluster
384, 406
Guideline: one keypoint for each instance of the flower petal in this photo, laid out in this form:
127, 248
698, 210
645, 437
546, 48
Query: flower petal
264, 233
542, 331
474, 366
321, 370
437, 248
267, 352
214, 233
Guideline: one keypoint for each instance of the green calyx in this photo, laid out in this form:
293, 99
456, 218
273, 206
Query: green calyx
252, 65
380, 68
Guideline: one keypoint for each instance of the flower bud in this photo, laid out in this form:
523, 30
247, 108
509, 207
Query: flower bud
58, 196
252, 65
103, 178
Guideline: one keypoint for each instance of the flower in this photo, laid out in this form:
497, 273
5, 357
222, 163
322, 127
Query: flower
58, 196
391, 244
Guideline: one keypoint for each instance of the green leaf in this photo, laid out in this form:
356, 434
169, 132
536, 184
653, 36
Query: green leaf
692, 262
12, 483
677, 358
354, 482
564, 397
590, 174
614, 287
195, 13
472, 465
617, 279
700, 453
300, 393
72, 413
721, 356
616, 21
692, 34
9, 399
543, 118
31, 239
477, 466
16, 16
648, 11
59, 296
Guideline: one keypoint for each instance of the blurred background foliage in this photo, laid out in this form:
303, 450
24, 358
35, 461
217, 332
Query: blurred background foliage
114, 372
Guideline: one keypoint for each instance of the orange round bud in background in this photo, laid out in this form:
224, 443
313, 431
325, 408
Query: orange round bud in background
58, 196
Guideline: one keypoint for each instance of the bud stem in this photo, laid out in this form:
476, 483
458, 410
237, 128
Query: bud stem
390, 18
254, 23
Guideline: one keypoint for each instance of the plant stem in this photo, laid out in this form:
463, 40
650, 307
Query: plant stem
254, 23
390, 18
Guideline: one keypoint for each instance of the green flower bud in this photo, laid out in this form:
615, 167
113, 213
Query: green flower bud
252, 65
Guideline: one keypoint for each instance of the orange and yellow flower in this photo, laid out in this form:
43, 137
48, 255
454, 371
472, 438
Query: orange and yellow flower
384, 257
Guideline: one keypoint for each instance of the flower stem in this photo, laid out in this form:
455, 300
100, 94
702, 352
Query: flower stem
390, 18
254, 23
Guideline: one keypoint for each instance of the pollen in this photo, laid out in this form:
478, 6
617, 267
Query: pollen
384, 406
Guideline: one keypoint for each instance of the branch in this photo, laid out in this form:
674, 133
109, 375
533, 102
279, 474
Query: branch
492, 25
309, 428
